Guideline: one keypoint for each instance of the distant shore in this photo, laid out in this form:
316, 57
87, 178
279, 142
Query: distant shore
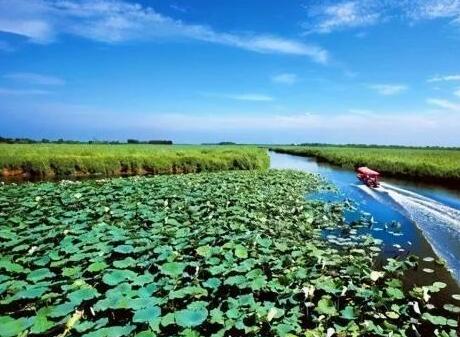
436, 165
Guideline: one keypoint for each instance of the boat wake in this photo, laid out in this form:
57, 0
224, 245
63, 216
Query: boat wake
439, 223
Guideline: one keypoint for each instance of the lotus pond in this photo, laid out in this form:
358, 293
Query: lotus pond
213, 254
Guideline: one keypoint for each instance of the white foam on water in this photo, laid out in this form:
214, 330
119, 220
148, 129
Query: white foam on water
439, 223
370, 192
430, 207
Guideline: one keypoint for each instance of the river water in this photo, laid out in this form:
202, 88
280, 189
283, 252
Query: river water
410, 218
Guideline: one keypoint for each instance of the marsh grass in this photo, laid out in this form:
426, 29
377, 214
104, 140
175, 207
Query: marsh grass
434, 164
108, 160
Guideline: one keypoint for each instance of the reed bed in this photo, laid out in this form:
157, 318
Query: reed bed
435, 164
109, 160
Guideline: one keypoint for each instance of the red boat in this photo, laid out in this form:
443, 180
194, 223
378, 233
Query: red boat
368, 176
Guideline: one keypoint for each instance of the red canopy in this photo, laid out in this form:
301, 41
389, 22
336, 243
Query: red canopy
368, 171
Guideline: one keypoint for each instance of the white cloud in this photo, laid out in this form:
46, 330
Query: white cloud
268, 44
37, 79
346, 14
433, 9
444, 104
113, 21
304, 122
26, 18
457, 92
444, 78
332, 16
285, 78
178, 8
20, 92
388, 89
395, 127
383, 126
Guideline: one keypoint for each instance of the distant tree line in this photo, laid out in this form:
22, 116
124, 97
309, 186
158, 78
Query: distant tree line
136, 141
220, 143
9, 140
378, 146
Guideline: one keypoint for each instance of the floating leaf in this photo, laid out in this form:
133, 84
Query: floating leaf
452, 308
10, 266
217, 316
326, 307
204, 251
140, 280
68, 272
271, 314
212, 283
124, 249
375, 275
41, 323
394, 293
168, 319
10, 327
125, 263
97, 266
235, 280
113, 331
436, 320
392, 315
173, 269
146, 333
149, 314
348, 313
188, 318
117, 276
31, 292
439, 285
241, 252
81, 295
62, 309
39, 274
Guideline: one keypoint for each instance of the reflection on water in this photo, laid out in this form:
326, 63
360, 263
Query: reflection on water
409, 218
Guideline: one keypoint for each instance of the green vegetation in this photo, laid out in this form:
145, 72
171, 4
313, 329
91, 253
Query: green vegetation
85, 159
377, 146
212, 254
436, 164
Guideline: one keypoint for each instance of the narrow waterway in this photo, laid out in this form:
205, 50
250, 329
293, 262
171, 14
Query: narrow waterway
410, 218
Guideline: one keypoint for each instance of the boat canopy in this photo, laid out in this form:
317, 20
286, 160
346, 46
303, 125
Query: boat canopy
367, 171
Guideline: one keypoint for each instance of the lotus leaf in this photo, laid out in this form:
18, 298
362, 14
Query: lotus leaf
149, 314
113, 331
81, 295
228, 253
173, 269
326, 307
10, 327
190, 317
117, 276
40, 274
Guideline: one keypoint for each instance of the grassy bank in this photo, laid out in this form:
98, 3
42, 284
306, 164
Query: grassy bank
439, 165
217, 254
85, 159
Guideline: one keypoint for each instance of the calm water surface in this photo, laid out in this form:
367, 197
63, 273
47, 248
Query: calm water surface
427, 216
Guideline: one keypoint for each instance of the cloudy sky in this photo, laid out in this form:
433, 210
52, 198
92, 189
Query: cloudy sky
262, 71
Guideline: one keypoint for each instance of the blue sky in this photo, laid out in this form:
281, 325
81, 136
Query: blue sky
248, 71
